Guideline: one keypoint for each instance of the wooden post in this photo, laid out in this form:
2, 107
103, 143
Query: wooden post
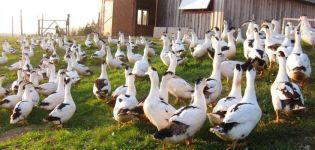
156, 12
38, 26
12, 27
21, 20
98, 23
42, 27
68, 25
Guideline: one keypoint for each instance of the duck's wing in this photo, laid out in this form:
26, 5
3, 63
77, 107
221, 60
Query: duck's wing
241, 113
289, 93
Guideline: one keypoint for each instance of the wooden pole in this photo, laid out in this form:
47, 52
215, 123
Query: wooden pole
12, 27
38, 26
156, 12
98, 23
21, 20
42, 27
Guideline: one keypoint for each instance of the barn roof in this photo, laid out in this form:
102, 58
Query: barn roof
310, 1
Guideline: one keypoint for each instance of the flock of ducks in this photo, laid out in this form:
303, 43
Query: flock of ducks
233, 117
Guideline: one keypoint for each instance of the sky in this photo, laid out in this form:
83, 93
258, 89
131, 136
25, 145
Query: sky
81, 12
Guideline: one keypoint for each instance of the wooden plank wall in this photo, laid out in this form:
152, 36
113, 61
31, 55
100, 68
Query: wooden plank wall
239, 11
170, 16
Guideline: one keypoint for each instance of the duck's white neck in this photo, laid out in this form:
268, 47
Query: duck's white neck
231, 39
163, 90
297, 45
166, 43
173, 64
20, 90
250, 94
154, 90
109, 53
34, 79
282, 74
27, 94
146, 52
216, 72
68, 96
104, 72
19, 75
52, 74
61, 84
257, 44
131, 88
199, 99
236, 90
69, 67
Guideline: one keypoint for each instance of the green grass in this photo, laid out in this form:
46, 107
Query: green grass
92, 126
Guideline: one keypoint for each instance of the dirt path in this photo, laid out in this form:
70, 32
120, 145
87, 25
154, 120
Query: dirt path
18, 131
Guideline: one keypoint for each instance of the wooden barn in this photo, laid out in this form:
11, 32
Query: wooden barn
132, 17
140, 17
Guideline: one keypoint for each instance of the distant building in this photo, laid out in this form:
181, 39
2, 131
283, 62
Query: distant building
139, 17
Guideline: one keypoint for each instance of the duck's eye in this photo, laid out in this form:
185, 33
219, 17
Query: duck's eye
120, 100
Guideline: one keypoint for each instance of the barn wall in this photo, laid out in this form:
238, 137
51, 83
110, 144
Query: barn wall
150, 6
170, 16
124, 17
239, 11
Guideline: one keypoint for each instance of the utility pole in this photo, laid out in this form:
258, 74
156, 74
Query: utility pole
12, 27
21, 19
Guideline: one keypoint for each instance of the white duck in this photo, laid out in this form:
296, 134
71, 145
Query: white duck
88, 42
155, 108
50, 102
54, 57
119, 54
228, 50
64, 111
81, 54
242, 117
176, 85
110, 40
141, 66
186, 121
51, 86
271, 46
239, 38
80, 68
194, 40
201, 49
286, 45
24, 107
227, 68
286, 96
100, 53
307, 32
235, 95
214, 85
224, 35
298, 64
132, 57
71, 72
10, 101
126, 102
3, 91
102, 88
3, 58
177, 45
112, 62
97, 40
123, 88
166, 50
16, 83
257, 54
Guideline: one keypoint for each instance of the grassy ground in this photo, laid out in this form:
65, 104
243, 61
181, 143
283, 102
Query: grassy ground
92, 126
